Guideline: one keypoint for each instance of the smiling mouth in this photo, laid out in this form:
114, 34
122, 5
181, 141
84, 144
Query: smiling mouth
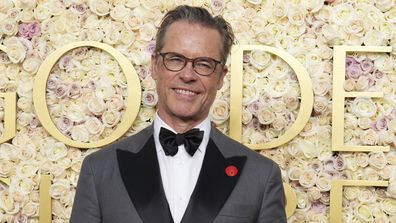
185, 92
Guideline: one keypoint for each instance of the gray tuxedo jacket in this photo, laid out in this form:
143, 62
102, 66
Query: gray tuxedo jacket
122, 184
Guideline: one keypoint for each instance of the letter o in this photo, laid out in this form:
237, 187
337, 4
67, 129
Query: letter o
133, 100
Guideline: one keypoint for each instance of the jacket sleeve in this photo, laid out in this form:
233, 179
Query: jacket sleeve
86, 205
273, 203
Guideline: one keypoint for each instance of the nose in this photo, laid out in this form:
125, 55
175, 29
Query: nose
188, 73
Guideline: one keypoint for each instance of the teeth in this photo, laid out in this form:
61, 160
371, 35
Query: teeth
182, 91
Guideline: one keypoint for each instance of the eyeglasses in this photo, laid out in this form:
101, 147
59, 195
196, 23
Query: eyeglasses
176, 62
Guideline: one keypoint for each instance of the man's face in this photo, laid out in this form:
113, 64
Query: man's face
185, 95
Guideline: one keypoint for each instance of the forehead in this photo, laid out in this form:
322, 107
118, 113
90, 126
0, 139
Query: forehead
192, 40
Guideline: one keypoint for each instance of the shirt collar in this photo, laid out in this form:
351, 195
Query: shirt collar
204, 126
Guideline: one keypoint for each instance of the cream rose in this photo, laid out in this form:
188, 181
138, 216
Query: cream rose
94, 126
59, 188
79, 133
219, 112
351, 193
266, 116
110, 118
388, 205
307, 178
364, 212
96, 106
369, 137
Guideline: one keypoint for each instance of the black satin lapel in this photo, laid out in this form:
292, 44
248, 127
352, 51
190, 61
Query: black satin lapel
141, 175
213, 187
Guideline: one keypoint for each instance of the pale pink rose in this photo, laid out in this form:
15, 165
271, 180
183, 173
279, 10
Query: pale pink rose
255, 107
350, 61
339, 163
381, 124
78, 9
354, 71
34, 123
328, 164
143, 72
23, 30
266, 116
150, 47
217, 6
111, 118
80, 53
64, 124
20, 218
367, 65
94, 126
61, 90
91, 85
378, 74
65, 63
149, 98
75, 90
29, 30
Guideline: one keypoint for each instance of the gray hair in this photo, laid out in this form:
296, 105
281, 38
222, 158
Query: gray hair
200, 16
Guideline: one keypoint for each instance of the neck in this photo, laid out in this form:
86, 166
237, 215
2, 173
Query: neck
180, 125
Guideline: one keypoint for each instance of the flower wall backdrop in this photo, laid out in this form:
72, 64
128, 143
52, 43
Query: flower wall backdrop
86, 94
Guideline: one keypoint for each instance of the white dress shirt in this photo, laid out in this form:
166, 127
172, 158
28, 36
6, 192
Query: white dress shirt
179, 173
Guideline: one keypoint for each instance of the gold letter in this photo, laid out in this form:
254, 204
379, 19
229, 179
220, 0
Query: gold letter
45, 213
336, 195
236, 95
9, 112
39, 95
339, 95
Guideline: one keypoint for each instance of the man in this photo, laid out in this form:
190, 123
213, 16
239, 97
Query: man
196, 176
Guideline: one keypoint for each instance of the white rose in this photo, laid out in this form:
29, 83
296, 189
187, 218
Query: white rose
119, 12
127, 37
99, 7
260, 59
374, 38
15, 49
388, 205
323, 183
320, 104
56, 151
27, 169
25, 104
96, 106
59, 188
250, 94
361, 159
363, 107
9, 27
148, 83
391, 189
351, 193
279, 123
147, 32
79, 133
31, 64
146, 114
75, 113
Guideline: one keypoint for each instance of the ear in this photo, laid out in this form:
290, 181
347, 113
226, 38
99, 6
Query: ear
154, 67
223, 73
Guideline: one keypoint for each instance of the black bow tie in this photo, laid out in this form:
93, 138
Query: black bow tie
170, 141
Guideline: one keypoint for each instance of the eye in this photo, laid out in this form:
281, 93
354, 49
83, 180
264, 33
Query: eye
204, 64
175, 59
